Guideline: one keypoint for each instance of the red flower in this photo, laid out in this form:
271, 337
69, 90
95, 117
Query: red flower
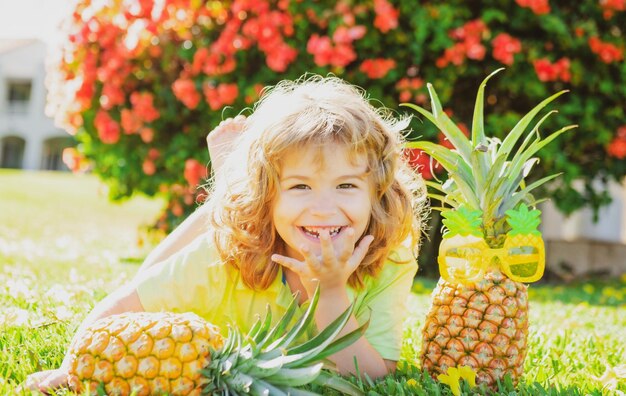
443, 140
199, 59
617, 148
218, 97
345, 35
539, 7
408, 86
194, 172
405, 96
228, 93
454, 55
343, 55
143, 106
562, 66
474, 49
112, 95
148, 167
547, 71
473, 29
386, 16
421, 162
108, 129
377, 68
468, 44
281, 57
321, 48
324, 53
610, 6
505, 47
73, 159
130, 122
608, 52
146, 134
544, 70
185, 91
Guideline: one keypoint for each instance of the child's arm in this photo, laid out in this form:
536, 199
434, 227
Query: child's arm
192, 227
219, 143
331, 273
333, 303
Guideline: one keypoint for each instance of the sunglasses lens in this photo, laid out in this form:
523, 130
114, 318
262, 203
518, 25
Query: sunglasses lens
523, 261
526, 270
463, 262
522, 250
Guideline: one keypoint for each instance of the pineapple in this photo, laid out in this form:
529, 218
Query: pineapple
479, 316
182, 354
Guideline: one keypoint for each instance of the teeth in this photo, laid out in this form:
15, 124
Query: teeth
314, 231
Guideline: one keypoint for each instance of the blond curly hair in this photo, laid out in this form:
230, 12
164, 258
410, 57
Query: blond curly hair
316, 111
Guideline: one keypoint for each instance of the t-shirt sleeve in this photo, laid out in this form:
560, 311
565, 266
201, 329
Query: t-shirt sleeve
192, 279
388, 301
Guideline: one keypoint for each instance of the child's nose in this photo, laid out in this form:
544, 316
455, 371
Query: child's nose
323, 205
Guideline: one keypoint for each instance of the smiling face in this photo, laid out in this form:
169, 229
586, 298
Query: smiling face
321, 188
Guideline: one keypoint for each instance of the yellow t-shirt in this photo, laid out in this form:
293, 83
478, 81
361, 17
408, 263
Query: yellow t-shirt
196, 280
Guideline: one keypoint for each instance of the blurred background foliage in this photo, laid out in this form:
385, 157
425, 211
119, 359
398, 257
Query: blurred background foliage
140, 83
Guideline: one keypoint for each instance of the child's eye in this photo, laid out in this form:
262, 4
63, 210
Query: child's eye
299, 187
346, 185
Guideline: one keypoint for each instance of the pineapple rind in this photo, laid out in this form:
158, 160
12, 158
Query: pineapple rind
182, 354
484, 174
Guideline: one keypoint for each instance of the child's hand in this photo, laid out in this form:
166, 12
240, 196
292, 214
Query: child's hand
44, 381
331, 269
220, 139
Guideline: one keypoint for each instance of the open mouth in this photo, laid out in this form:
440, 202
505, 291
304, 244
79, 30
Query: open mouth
314, 232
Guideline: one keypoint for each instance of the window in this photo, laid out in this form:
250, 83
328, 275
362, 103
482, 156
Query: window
52, 155
18, 95
12, 152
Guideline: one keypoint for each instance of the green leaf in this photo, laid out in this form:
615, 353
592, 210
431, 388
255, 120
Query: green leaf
478, 127
295, 376
462, 221
328, 380
523, 221
520, 127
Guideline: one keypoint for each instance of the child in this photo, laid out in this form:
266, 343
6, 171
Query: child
315, 193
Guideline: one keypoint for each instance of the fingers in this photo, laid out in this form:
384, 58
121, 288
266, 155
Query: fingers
44, 381
328, 251
288, 262
348, 246
360, 251
226, 126
311, 264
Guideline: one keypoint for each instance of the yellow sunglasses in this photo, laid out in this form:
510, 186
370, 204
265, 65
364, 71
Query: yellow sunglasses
464, 259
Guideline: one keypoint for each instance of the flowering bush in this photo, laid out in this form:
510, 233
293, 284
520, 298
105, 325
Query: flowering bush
141, 82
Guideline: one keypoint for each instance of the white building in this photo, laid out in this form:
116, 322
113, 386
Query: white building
28, 139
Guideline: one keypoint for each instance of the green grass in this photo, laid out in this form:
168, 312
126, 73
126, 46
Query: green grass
63, 247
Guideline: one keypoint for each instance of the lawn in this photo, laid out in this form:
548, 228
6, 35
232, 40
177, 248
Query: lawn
64, 246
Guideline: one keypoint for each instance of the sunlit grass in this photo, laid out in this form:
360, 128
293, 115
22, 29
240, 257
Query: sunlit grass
63, 247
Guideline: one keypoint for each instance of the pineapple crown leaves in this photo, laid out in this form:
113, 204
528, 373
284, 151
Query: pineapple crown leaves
462, 221
523, 221
265, 361
477, 165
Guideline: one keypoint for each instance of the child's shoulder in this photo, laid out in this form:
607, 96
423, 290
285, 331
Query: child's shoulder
401, 254
400, 263
202, 249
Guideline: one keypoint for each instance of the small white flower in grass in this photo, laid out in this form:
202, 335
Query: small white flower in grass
74, 275
63, 313
67, 248
60, 294
20, 289
14, 317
